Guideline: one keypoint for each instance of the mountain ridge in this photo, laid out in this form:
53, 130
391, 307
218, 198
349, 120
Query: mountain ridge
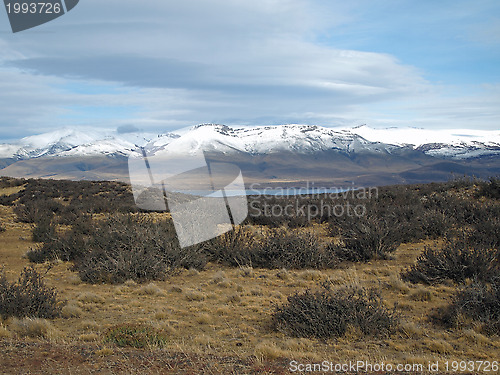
265, 153
257, 140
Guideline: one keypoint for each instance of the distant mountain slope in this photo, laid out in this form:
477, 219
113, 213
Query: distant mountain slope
266, 153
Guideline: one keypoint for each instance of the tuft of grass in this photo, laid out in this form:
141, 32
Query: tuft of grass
421, 294
161, 315
195, 295
234, 298
74, 280
176, 289
269, 350
395, 283
136, 336
31, 327
204, 319
311, 275
4, 332
474, 337
105, 352
71, 311
89, 337
246, 271
150, 289
411, 330
438, 346
283, 274
89, 325
130, 283
256, 292
89, 297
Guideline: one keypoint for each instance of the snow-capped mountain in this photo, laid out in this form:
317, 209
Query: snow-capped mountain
258, 140
449, 143
72, 142
290, 153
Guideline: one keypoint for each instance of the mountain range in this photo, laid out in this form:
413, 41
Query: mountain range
275, 155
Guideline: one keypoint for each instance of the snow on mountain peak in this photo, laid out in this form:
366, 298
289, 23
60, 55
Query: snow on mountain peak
457, 143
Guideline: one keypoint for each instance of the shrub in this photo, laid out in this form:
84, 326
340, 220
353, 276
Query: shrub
456, 261
67, 246
28, 297
44, 230
33, 211
490, 189
279, 248
486, 233
136, 336
370, 237
126, 247
227, 248
119, 248
326, 313
478, 302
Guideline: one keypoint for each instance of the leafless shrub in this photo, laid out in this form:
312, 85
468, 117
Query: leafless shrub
479, 302
456, 261
329, 313
28, 297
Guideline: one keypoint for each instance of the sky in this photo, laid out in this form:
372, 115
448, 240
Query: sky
163, 64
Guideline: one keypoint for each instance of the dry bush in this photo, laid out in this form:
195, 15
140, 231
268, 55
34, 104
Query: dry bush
279, 248
490, 189
456, 261
227, 248
44, 230
478, 302
330, 313
28, 297
370, 237
37, 209
125, 247
67, 246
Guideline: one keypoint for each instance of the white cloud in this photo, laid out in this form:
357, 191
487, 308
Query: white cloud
170, 63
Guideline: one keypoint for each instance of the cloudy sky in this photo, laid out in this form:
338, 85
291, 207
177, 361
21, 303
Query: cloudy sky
164, 64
